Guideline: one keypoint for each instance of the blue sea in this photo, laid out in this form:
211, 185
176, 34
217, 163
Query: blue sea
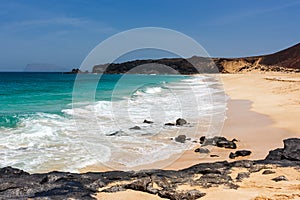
56, 121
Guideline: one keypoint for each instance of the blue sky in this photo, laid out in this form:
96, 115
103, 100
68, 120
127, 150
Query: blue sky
62, 33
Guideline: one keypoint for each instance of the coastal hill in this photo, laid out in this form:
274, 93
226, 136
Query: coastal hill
287, 60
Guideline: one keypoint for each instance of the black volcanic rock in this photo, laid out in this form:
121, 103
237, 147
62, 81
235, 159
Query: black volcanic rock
266, 172
135, 128
239, 153
169, 124
147, 121
180, 122
218, 141
291, 151
180, 138
280, 178
17, 184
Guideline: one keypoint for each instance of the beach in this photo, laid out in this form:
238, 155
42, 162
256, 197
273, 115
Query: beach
263, 109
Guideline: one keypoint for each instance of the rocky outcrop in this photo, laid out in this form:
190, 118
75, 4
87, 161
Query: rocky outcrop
287, 60
17, 184
291, 151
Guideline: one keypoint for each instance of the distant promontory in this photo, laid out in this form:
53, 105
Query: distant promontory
287, 60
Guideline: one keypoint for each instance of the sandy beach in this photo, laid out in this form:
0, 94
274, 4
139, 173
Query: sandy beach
262, 111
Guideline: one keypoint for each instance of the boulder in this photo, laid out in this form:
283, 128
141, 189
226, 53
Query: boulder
180, 138
180, 122
239, 153
147, 122
290, 151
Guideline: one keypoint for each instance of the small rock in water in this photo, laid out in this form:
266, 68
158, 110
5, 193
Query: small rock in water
114, 133
135, 128
202, 139
180, 138
169, 124
280, 178
147, 122
202, 150
239, 153
266, 172
180, 122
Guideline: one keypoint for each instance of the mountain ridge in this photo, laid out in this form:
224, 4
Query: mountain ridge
286, 60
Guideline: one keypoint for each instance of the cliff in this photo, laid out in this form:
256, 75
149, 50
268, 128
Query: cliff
287, 60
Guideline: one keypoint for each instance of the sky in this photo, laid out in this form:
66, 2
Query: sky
60, 34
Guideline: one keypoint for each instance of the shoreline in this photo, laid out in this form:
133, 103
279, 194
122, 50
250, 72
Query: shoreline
258, 130
246, 121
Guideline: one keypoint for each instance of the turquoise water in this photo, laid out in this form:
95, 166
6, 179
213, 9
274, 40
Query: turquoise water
24, 94
54, 121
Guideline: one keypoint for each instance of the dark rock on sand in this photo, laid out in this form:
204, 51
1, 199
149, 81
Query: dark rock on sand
214, 156
242, 175
135, 128
17, 184
180, 122
280, 178
291, 151
180, 138
218, 141
202, 150
147, 122
169, 124
266, 172
239, 153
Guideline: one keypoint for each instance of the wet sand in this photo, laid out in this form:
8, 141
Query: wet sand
263, 110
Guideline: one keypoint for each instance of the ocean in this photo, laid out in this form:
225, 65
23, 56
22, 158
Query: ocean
56, 121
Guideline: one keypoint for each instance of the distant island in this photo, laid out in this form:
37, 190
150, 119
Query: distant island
287, 60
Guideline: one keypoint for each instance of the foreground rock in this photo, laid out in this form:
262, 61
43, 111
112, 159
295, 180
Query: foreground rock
17, 184
291, 151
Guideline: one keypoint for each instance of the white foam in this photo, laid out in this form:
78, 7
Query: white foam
44, 141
